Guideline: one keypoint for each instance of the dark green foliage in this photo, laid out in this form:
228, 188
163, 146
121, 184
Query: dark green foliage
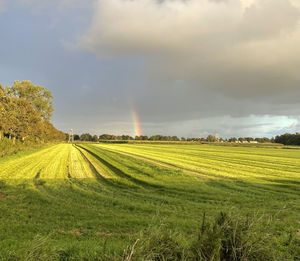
288, 139
86, 137
162, 138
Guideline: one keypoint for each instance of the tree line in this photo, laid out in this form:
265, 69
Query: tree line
209, 138
89, 137
25, 113
288, 139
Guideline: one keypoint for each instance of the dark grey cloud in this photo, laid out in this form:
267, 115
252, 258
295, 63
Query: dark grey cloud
245, 50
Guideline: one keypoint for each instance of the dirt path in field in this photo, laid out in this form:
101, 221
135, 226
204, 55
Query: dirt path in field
162, 164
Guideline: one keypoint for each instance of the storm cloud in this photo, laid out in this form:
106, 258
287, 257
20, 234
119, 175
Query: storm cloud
245, 50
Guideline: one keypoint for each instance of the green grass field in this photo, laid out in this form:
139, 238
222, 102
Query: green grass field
92, 201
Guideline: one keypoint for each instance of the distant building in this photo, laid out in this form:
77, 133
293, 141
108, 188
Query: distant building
253, 141
245, 141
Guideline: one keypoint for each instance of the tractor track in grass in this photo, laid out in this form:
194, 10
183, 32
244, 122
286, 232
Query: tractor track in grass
158, 163
119, 173
99, 174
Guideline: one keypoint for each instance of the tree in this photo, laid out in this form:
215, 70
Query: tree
107, 137
95, 138
126, 137
2, 110
25, 111
2, 91
156, 137
38, 96
50, 133
19, 120
86, 137
211, 138
288, 139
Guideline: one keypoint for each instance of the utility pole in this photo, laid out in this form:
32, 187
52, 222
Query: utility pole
71, 136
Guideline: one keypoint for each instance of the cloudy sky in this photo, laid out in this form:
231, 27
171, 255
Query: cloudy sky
187, 67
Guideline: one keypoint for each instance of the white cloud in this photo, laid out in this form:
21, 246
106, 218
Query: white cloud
295, 126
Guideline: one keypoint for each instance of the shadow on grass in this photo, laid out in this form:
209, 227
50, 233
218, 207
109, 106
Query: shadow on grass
121, 173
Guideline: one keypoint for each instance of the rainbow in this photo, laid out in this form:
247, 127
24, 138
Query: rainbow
136, 123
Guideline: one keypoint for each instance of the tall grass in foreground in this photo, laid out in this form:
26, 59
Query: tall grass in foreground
227, 237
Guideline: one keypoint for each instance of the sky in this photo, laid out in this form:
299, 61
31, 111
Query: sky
186, 67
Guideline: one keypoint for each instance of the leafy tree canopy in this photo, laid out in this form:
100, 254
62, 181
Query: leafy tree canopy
38, 96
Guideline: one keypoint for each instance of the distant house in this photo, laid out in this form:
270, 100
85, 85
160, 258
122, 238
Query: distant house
253, 141
245, 141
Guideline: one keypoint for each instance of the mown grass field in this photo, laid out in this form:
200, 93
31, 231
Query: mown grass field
91, 201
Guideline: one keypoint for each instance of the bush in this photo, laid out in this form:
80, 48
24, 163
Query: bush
226, 238
231, 238
7, 147
156, 243
10, 147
